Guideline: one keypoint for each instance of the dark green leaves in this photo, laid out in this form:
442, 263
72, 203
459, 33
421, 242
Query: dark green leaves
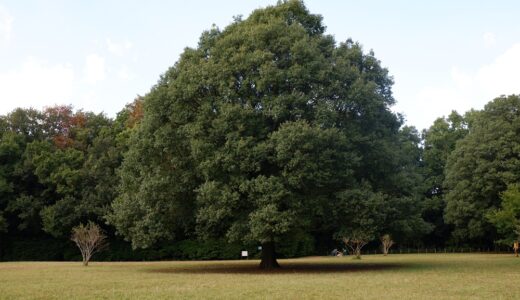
481, 167
252, 135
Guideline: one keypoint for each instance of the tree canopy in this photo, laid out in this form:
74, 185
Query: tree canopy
439, 142
260, 132
57, 169
269, 133
482, 165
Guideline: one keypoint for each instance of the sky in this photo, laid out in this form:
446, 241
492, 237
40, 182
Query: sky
98, 55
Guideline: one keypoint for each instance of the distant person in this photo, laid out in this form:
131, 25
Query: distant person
515, 247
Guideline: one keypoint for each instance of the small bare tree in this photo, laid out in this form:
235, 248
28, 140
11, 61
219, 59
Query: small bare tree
356, 241
90, 239
386, 243
516, 243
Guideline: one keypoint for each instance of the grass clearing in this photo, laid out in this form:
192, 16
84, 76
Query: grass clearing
407, 276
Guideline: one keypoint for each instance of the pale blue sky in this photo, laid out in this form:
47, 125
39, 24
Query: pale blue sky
98, 55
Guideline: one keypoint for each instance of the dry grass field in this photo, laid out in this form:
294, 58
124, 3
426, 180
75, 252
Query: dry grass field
407, 276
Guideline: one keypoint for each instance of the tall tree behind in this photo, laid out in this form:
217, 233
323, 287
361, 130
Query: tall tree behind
19, 128
439, 141
480, 168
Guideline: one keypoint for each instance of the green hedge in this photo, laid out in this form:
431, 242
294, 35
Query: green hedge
36, 248
50, 249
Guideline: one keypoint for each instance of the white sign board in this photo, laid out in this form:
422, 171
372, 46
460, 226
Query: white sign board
244, 254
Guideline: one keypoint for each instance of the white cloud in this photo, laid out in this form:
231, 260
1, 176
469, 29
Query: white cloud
94, 68
124, 73
36, 84
89, 101
6, 25
118, 48
489, 39
468, 89
502, 76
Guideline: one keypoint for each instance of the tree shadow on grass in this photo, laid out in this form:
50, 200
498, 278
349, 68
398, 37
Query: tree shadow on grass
286, 268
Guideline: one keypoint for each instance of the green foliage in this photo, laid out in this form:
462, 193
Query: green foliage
57, 169
37, 248
252, 136
439, 141
480, 168
298, 244
3, 223
204, 250
361, 213
267, 131
506, 219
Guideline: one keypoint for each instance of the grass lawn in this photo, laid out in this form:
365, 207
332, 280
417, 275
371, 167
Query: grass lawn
407, 276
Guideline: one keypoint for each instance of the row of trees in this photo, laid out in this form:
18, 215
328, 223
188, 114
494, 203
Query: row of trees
267, 132
472, 170
58, 168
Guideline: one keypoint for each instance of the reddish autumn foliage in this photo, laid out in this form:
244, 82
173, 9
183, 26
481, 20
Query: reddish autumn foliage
61, 141
136, 112
60, 122
78, 120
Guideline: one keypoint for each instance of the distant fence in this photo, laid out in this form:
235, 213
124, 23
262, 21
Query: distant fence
497, 250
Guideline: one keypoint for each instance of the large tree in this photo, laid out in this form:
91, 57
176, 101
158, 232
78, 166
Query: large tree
439, 141
260, 133
482, 165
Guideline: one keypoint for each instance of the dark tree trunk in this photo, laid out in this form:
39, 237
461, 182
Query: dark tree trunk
268, 257
1, 248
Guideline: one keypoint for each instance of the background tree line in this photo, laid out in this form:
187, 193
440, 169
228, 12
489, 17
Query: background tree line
267, 133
